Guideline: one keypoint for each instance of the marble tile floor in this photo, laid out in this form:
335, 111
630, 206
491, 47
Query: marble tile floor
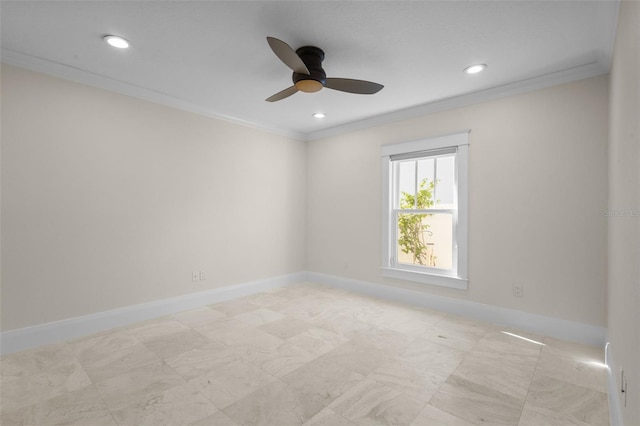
306, 355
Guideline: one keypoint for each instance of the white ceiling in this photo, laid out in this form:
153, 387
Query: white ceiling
212, 57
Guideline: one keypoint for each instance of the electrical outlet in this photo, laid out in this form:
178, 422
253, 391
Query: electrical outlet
518, 290
195, 276
203, 276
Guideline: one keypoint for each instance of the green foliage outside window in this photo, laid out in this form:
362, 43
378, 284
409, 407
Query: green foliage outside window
411, 226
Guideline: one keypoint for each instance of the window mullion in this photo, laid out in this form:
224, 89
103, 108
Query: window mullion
424, 211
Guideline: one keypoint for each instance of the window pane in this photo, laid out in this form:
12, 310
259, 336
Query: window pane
425, 183
406, 185
426, 239
445, 181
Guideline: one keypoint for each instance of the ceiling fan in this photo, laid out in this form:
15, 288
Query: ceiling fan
308, 75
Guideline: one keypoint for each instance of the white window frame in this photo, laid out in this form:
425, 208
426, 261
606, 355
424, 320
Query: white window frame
458, 277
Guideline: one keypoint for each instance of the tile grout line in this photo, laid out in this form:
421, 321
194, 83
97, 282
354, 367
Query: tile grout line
524, 403
93, 384
369, 317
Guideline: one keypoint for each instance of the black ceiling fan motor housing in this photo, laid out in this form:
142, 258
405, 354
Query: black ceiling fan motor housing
312, 58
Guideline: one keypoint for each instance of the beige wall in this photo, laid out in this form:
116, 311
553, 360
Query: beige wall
624, 199
538, 185
109, 201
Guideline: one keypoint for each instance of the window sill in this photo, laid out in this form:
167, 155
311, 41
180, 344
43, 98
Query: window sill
421, 277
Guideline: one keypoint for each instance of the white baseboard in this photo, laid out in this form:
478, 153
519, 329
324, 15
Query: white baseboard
615, 410
553, 327
53, 332
57, 331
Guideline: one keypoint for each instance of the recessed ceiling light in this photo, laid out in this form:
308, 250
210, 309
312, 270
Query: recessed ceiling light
475, 69
319, 115
116, 41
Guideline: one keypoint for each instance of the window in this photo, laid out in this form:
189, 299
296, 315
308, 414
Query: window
425, 210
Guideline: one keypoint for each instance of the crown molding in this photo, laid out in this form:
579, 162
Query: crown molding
607, 13
606, 25
591, 69
78, 75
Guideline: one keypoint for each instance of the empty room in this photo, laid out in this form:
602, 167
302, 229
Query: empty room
335, 213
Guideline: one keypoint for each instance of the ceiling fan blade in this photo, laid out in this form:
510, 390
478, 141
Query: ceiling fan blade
353, 86
282, 94
287, 55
